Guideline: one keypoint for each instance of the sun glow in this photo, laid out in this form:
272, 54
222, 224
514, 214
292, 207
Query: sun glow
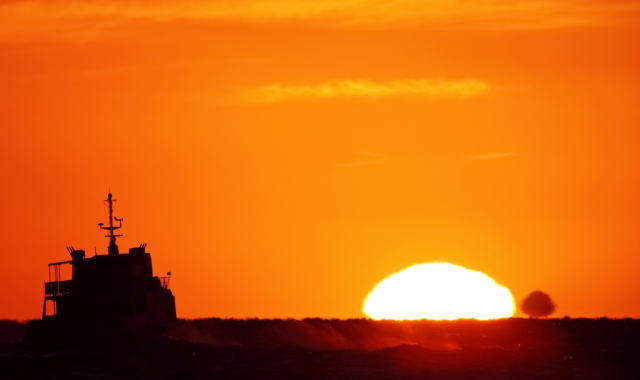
438, 291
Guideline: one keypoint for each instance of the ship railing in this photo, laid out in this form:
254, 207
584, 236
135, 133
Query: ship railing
57, 288
164, 281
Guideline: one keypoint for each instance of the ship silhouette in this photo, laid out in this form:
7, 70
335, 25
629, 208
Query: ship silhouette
105, 292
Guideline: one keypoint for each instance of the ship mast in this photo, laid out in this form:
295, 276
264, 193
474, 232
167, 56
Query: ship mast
113, 247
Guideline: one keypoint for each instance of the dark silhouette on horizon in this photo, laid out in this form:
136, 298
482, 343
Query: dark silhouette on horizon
117, 289
506, 349
538, 304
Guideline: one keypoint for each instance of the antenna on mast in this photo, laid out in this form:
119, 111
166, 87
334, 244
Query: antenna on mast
113, 247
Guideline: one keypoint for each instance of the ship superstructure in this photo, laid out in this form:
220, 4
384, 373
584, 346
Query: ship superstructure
115, 287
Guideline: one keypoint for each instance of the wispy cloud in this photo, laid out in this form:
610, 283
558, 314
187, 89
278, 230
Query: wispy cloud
492, 156
38, 16
364, 89
353, 164
364, 159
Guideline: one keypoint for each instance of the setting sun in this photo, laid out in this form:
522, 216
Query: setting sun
438, 291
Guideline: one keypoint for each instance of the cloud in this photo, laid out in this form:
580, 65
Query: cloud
29, 17
354, 164
492, 156
365, 159
364, 89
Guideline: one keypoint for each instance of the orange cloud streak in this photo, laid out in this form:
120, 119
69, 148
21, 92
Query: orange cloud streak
35, 17
364, 89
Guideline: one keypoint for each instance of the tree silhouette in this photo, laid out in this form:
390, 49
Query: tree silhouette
538, 304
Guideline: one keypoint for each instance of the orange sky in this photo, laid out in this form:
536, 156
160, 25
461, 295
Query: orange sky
282, 157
